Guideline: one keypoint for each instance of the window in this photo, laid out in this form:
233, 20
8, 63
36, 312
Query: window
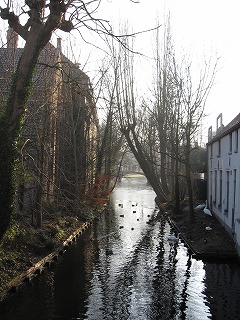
215, 187
211, 186
227, 202
234, 186
220, 189
219, 148
236, 141
230, 142
211, 151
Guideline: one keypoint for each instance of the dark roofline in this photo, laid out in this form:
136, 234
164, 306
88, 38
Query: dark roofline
233, 125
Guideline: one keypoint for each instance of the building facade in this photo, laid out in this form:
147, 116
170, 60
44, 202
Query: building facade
224, 175
58, 144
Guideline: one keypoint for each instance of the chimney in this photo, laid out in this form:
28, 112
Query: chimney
219, 122
12, 39
210, 133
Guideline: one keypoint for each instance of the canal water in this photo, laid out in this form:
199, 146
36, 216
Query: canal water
123, 267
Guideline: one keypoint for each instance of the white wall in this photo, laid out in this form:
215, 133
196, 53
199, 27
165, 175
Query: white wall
228, 162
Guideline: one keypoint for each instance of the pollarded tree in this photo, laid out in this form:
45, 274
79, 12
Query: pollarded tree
178, 108
192, 106
131, 120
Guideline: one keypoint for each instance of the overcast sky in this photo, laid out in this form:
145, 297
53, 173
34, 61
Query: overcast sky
199, 27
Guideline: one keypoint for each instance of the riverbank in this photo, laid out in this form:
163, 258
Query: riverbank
28, 275
206, 238
22, 252
25, 248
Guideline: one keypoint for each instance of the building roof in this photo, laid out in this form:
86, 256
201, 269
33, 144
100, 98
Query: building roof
8, 63
230, 127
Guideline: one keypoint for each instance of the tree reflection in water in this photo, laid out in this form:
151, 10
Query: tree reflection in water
131, 272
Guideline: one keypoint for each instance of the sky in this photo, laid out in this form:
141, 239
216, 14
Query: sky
200, 28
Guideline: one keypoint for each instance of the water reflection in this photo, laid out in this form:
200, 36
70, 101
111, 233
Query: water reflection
223, 290
147, 277
124, 268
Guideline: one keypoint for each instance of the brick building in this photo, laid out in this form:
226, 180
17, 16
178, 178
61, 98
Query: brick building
57, 148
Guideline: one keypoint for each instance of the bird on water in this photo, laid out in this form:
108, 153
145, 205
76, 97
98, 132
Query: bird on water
173, 238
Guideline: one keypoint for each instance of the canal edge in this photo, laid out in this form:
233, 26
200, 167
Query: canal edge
27, 276
203, 255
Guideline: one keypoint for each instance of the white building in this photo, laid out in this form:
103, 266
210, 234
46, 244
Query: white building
224, 175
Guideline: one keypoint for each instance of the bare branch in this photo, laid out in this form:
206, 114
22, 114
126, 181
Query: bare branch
13, 21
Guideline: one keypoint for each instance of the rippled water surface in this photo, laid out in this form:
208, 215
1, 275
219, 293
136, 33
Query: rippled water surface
124, 268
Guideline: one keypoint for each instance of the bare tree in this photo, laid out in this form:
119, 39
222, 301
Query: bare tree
129, 123
192, 106
110, 146
43, 18
161, 132
178, 110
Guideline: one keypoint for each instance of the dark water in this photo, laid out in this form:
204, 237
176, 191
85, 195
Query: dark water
124, 268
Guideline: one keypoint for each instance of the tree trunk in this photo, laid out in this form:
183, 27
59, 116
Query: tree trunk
11, 121
144, 164
190, 191
176, 206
